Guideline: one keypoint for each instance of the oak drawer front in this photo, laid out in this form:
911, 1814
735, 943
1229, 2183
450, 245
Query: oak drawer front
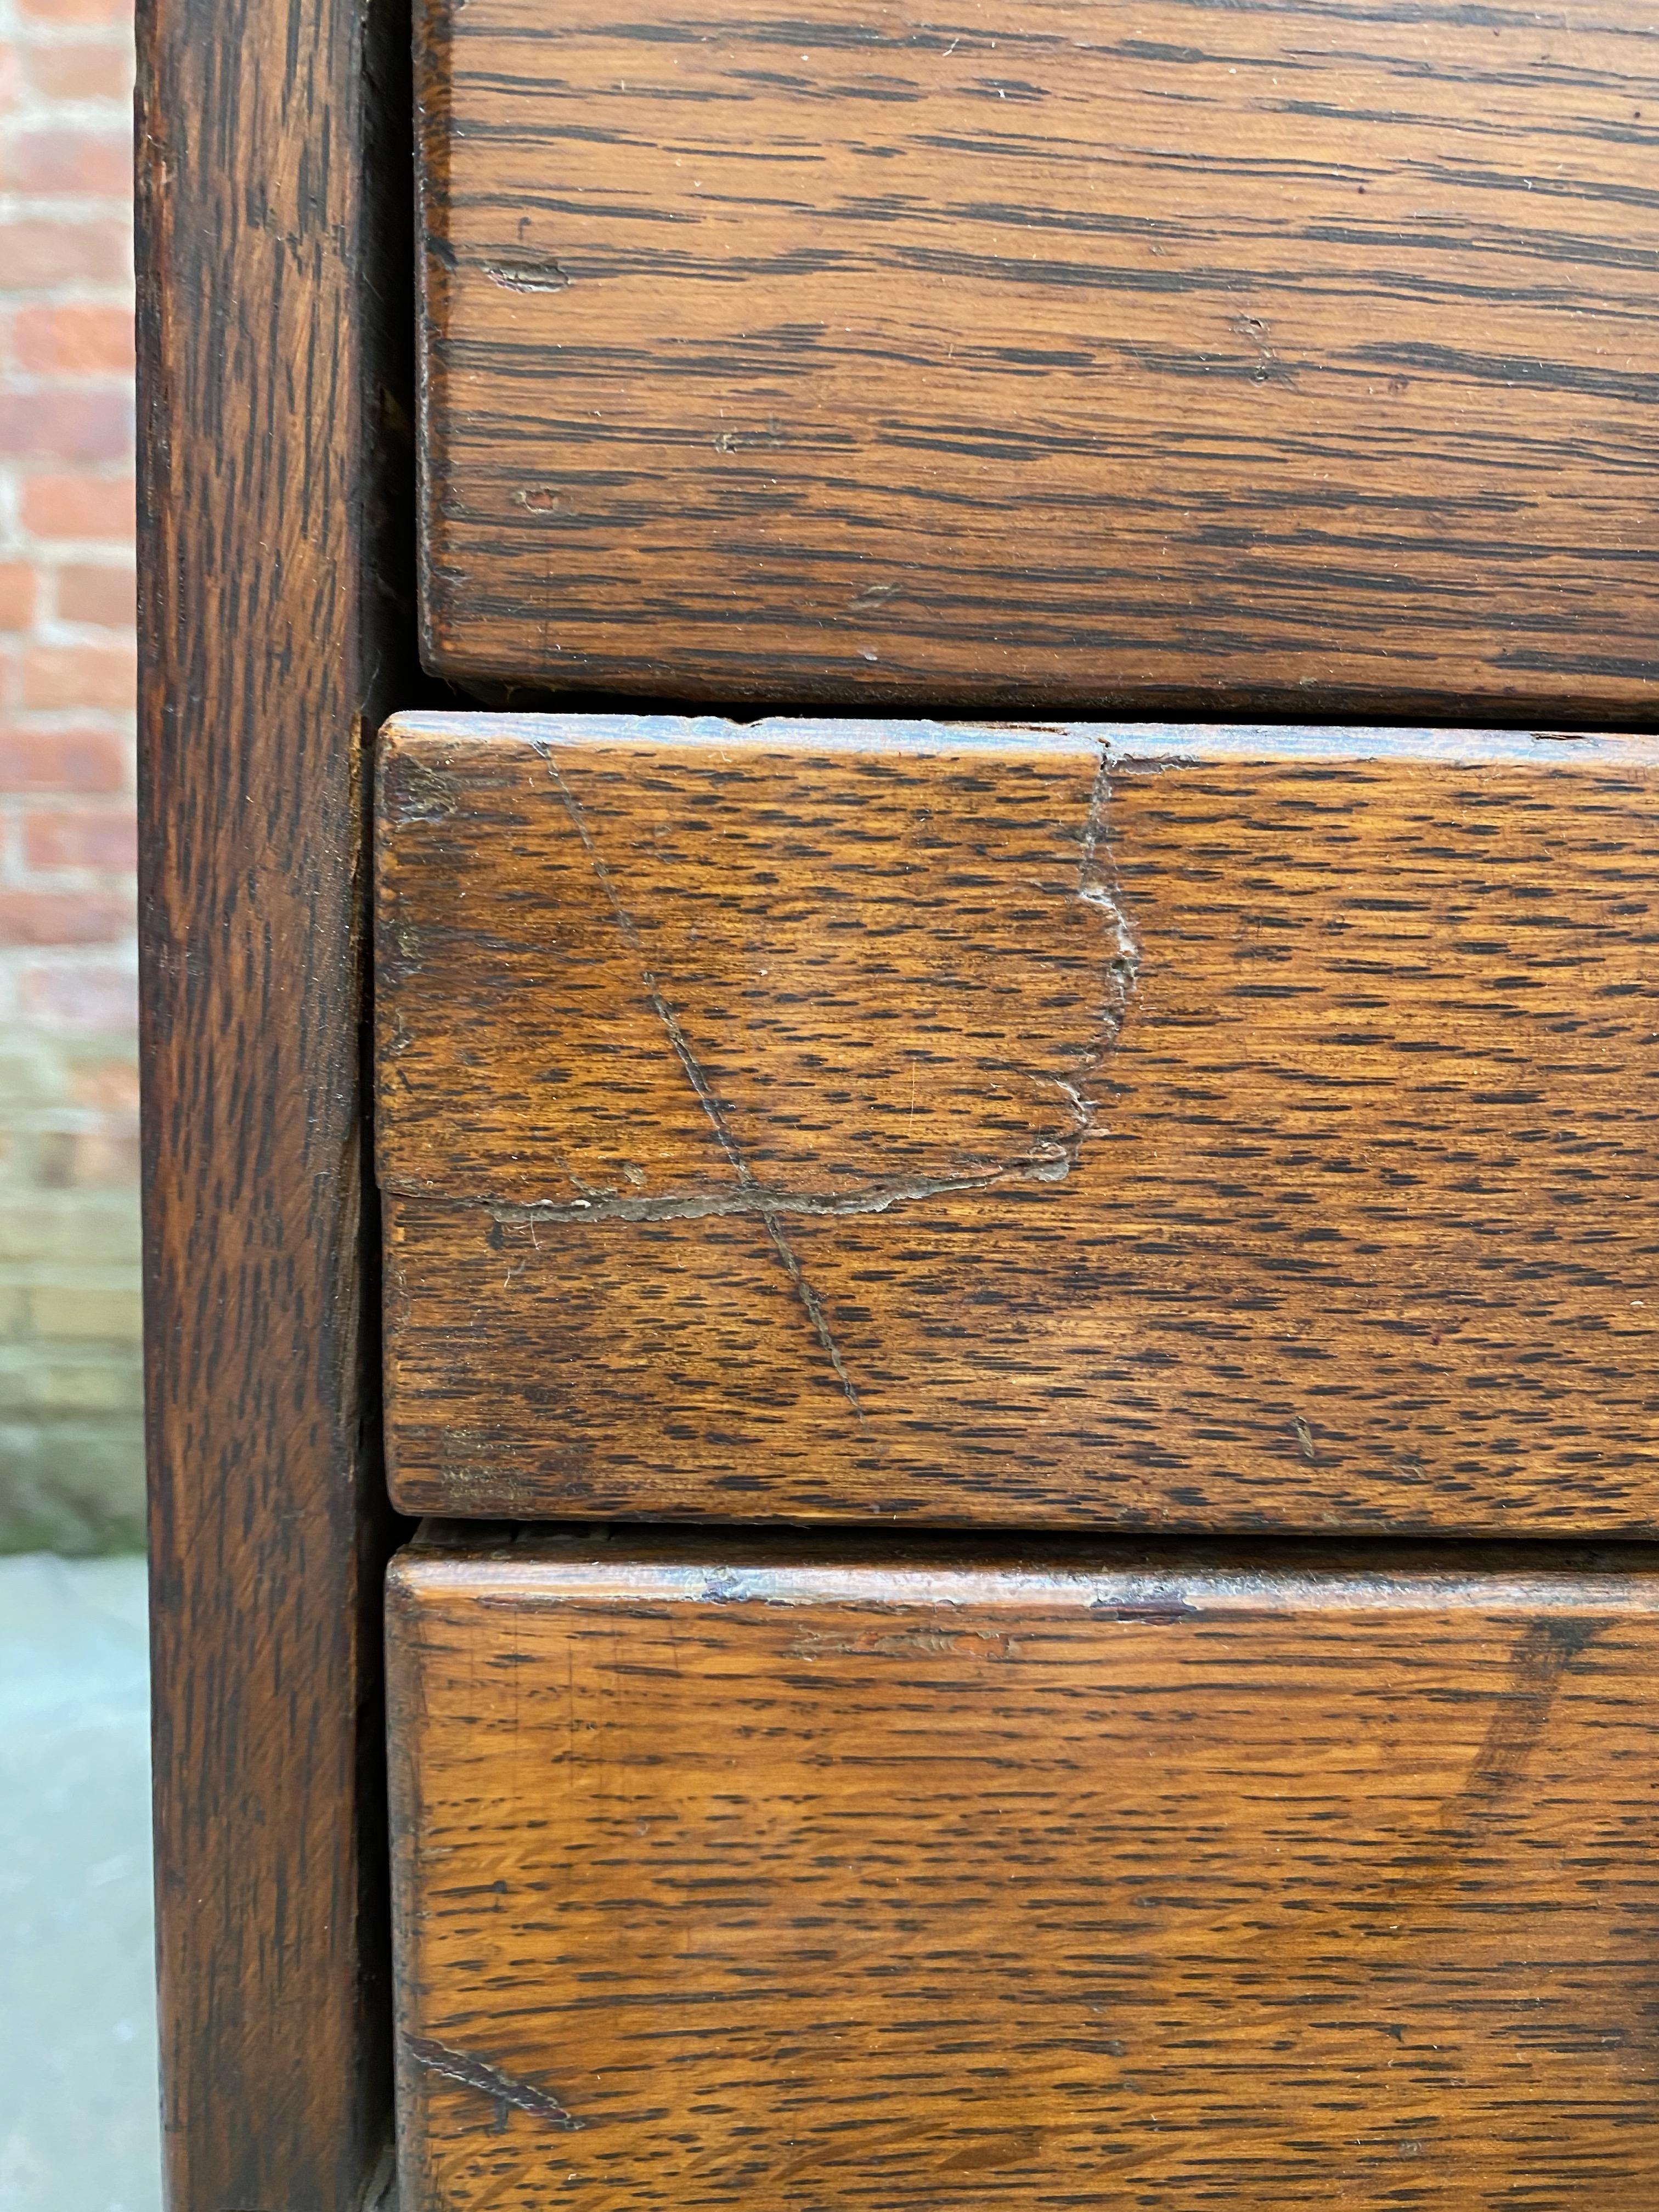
1074, 357
1102, 1126
751, 1875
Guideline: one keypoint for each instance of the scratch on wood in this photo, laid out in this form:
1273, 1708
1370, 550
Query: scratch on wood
757, 1197
905, 1643
694, 1075
500, 2088
810, 1300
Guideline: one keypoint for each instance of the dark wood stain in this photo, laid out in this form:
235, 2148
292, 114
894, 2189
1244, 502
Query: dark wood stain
276, 630
821, 1873
1147, 1126
1191, 357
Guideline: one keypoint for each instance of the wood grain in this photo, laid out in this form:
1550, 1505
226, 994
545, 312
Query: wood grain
801, 1877
276, 615
1150, 355
1218, 1128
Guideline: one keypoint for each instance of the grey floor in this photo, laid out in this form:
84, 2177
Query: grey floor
78, 2125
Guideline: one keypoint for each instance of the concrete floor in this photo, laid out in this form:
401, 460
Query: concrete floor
78, 2123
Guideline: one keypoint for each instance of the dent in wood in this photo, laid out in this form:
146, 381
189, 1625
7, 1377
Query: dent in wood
528, 272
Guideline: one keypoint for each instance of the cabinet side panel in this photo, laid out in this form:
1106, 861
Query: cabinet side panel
272, 307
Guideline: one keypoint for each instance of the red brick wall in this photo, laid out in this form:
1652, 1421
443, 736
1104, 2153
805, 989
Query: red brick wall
69, 1406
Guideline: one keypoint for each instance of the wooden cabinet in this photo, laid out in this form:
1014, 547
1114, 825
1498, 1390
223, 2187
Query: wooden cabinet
1139, 356
758, 1873
1131, 1137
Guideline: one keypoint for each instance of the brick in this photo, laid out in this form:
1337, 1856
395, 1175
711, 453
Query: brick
116, 13
73, 341
53, 917
79, 999
102, 596
79, 507
85, 1159
16, 595
59, 675
61, 760
37, 254
32, 1074
102, 837
87, 1386
98, 1231
92, 1312
17, 1370
95, 164
81, 71
66, 425
110, 1086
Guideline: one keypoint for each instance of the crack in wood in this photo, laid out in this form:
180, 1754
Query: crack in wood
1098, 886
